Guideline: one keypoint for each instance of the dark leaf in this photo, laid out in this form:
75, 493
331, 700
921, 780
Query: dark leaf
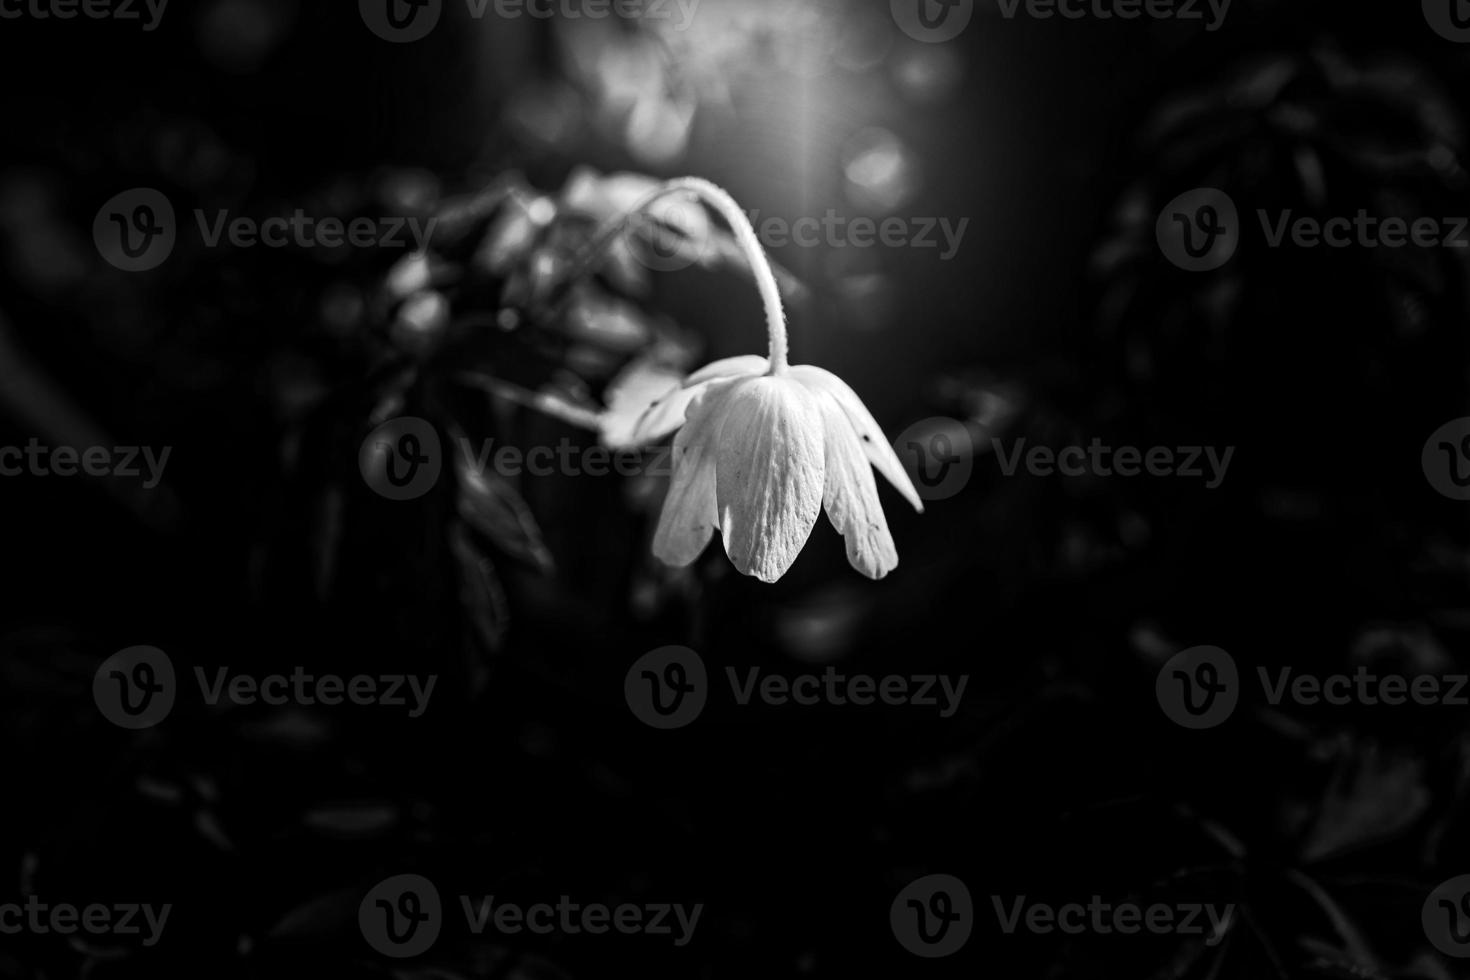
359, 820
325, 913
480, 592
493, 508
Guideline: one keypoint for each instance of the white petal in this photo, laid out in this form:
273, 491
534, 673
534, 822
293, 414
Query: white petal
629, 395
851, 497
666, 413
730, 367
769, 474
689, 516
875, 444
605, 196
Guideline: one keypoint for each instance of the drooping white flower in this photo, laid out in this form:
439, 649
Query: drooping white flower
760, 455
763, 447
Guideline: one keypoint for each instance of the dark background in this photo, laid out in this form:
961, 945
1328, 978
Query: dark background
528, 777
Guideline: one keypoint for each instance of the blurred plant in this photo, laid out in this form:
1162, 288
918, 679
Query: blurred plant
1321, 134
527, 302
1315, 133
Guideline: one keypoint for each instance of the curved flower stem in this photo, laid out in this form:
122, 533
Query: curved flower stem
760, 266
720, 200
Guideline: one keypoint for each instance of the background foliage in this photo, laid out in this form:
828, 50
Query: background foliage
1058, 320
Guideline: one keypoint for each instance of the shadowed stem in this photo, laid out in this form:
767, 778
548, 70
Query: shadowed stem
547, 404
765, 280
719, 200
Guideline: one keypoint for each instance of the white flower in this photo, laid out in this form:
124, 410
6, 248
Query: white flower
758, 457
763, 446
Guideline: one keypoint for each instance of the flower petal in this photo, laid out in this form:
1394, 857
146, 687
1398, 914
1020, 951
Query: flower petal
666, 413
689, 515
875, 444
769, 474
629, 395
851, 496
729, 367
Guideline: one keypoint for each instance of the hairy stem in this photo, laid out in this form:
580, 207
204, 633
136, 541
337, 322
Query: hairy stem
719, 200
